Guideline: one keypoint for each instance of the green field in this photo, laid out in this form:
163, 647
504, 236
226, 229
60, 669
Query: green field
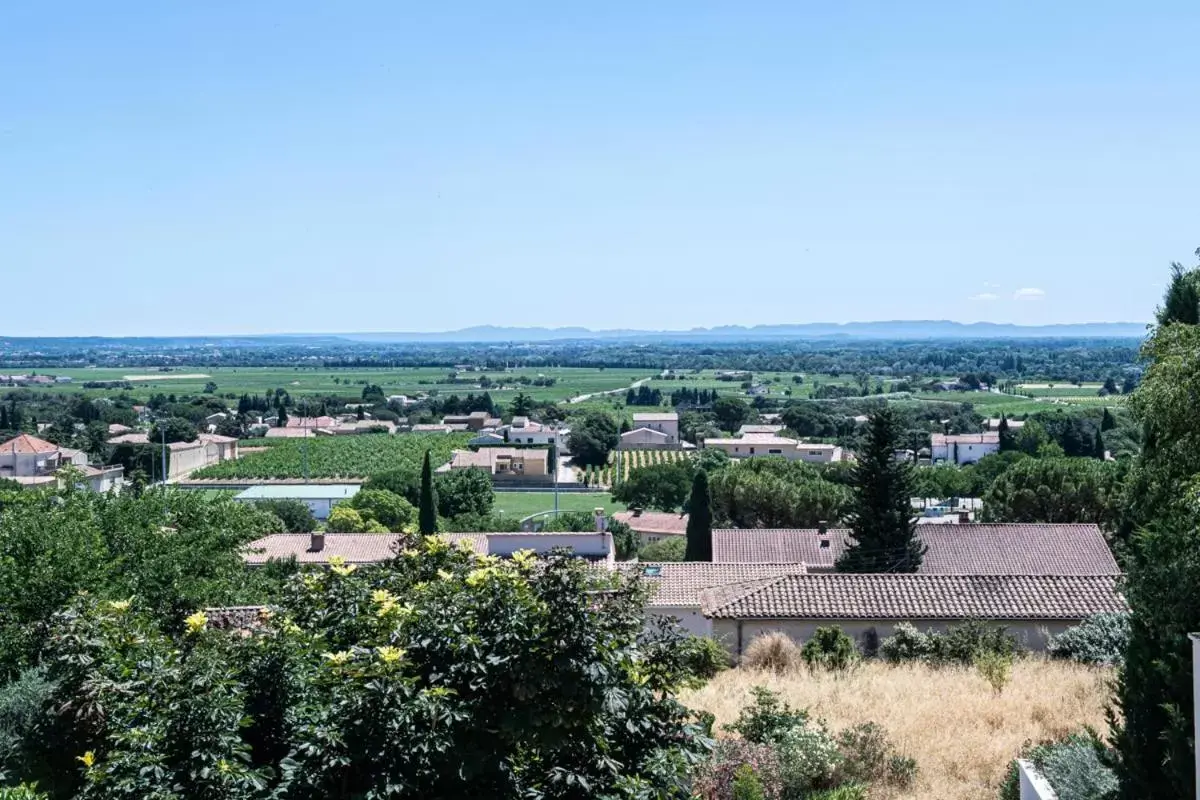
339, 456
779, 384
522, 504
569, 381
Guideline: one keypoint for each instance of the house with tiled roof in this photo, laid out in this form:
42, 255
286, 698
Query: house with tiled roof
652, 526
505, 465
186, 457
652, 430
757, 445
963, 448
31, 461
868, 607
966, 549
373, 548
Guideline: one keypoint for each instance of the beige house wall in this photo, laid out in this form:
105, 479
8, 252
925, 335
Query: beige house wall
1030, 634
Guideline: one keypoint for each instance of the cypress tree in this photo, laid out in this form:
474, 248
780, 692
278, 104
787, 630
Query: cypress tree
1181, 301
1098, 449
883, 527
427, 509
3, 418
1006, 438
1107, 422
699, 525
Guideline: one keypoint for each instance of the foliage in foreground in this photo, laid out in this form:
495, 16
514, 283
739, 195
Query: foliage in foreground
440, 675
1100, 639
1076, 767
795, 756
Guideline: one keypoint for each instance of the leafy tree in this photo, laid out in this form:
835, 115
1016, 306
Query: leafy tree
294, 514
346, 519
427, 507
522, 405
1059, 490
664, 487
731, 412
593, 437
440, 675
463, 491
699, 525
883, 528
773, 493
174, 429
671, 548
1181, 301
390, 510
943, 481
210, 388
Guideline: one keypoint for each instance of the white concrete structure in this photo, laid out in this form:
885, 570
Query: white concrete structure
663, 422
320, 498
963, 448
1033, 785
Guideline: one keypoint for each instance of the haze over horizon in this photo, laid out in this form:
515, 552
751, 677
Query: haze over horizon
221, 169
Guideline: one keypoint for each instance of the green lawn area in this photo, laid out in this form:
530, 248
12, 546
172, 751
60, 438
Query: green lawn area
522, 504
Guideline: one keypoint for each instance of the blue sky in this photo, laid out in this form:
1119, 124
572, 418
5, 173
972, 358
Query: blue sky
233, 167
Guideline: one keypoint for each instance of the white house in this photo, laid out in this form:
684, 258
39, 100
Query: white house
769, 444
646, 439
320, 497
186, 457
523, 430
31, 461
664, 422
963, 448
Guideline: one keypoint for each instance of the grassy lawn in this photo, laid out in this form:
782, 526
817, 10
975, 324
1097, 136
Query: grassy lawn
961, 733
522, 504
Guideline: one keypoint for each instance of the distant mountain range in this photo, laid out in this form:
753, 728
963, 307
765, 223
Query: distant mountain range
898, 329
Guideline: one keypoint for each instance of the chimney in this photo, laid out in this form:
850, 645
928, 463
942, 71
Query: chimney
964, 517
601, 522
822, 527
317, 542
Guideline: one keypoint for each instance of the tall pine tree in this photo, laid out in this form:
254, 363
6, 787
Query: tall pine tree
1107, 421
699, 525
1098, 449
1007, 440
883, 527
427, 509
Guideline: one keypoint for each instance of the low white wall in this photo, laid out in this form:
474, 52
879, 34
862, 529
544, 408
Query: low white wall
1033, 785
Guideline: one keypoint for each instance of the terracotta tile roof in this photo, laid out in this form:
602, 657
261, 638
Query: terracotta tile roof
654, 522
356, 548
310, 422
912, 597
24, 444
681, 583
656, 416
968, 549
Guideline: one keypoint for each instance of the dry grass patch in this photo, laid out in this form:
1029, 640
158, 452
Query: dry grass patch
960, 731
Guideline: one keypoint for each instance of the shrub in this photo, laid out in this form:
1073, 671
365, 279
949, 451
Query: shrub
23, 792
715, 777
774, 651
1075, 767
995, 668
343, 519
829, 648
387, 508
870, 757
746, 784
768, 718
906, 644
850, 791
704, 656
1099, 639
22, 708
808, 759
295, 515
669, 549
961, 643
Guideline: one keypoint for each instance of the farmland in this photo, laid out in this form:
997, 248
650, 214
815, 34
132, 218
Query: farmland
339, 456
621, 462
326, 381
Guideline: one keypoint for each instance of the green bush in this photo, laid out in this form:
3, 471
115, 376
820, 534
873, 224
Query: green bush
704, 656
829, 648
995, 668
768, 718
809, 759
746, 784
1099, 639
714, 779
295, 515
850, 791
1076, 767
870, 757
23, 792
22, 709
669, 549
905, 644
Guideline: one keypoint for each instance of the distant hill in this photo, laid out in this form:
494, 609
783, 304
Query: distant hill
897, 329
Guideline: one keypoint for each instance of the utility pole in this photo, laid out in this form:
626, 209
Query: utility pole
304, 444
162, 430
